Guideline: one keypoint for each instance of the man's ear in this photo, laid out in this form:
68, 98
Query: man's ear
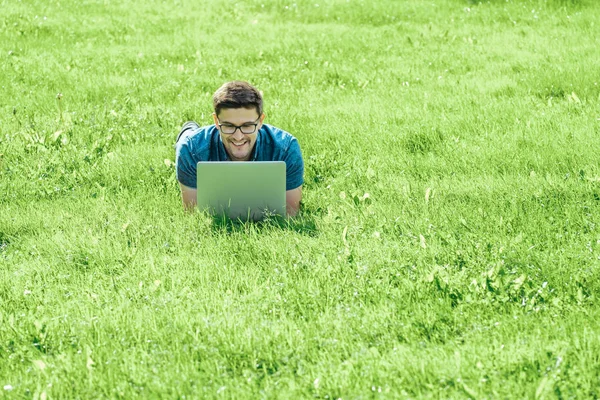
214, 115
262, 118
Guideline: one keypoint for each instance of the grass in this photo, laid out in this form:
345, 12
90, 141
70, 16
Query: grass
448, 245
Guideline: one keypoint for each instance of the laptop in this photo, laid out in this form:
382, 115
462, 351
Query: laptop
246, 190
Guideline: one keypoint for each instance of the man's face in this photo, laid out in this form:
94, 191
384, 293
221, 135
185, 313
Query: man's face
238, 145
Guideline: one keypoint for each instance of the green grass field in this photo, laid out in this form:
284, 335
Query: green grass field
448, 245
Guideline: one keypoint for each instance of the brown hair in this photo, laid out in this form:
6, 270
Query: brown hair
237, 94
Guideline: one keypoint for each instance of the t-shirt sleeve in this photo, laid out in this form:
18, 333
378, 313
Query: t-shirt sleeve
185, 163
294, 166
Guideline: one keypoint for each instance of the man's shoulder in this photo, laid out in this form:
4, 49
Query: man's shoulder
191, 132
197, 143
278, 145
278, 137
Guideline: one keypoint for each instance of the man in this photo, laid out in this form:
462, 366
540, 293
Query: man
238, 134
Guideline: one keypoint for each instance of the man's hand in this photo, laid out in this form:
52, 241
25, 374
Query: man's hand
292, 201
188, 197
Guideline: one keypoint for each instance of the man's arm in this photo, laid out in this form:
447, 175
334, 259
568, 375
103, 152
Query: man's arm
188, 197
292, 200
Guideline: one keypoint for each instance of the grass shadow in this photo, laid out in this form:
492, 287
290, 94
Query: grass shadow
4, 241
303, 224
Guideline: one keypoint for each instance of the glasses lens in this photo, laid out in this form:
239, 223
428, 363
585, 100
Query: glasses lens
248, 128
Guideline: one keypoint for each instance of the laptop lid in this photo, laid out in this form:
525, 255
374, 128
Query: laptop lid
241, 189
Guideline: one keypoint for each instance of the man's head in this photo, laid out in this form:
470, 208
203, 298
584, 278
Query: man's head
238, 116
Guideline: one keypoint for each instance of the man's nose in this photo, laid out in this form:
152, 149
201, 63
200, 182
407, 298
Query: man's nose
238, 135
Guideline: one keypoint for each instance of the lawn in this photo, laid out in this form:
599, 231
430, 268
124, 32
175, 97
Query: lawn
448, 244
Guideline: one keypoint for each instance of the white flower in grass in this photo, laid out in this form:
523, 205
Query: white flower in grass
26, 292
8, 388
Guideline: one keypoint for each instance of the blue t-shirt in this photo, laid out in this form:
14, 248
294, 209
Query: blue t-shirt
196, 144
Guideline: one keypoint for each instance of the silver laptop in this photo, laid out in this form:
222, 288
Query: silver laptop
248, 190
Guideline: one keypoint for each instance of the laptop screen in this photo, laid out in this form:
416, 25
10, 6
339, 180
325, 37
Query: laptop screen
242, 189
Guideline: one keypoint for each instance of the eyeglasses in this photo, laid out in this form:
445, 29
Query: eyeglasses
230, 129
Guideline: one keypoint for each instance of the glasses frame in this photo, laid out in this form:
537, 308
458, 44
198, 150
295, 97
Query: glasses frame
238, 127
